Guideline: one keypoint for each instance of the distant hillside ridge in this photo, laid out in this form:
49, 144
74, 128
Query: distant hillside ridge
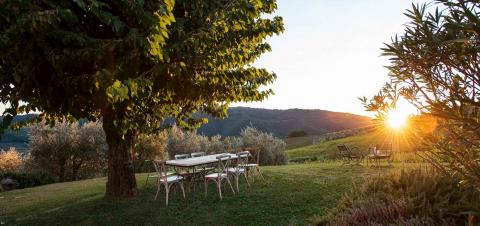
277, 122
282, 122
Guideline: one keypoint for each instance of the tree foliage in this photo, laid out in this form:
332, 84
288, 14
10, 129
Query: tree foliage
435, 65
132, 63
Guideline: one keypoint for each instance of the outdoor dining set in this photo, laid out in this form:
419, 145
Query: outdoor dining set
376, 154
218, 168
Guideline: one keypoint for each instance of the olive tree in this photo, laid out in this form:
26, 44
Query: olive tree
435, 64
133, 64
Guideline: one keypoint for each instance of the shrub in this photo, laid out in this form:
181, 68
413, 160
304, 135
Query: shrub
302, 159
150, 147
10, 161
407, 198
26, 180
182, 142
297, 133
272, 149
68, 151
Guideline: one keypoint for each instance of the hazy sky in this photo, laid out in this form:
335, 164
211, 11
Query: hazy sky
329, 54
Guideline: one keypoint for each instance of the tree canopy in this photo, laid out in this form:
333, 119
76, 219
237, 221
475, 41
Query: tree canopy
132, 63
435, 65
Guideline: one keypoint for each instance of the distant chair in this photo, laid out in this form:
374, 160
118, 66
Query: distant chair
255, 166
219, 176
149, 171
163, 178
240, 169
350, 156
381, 152
181, 156
197, 154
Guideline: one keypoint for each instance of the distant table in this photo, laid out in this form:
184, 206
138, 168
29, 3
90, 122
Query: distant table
197, 161
193, 163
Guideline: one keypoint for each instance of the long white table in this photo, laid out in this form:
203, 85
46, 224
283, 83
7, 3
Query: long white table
193, 163
197, 161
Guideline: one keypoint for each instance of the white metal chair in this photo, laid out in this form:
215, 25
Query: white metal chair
240, 169
255, 153
166, 180
220, 175
181, 156
197, 154
152, 175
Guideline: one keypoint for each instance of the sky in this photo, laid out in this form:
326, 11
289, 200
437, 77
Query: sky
329, 54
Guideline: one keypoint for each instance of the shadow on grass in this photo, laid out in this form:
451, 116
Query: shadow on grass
291, 195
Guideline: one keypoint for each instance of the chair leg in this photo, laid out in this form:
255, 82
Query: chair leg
158, 190
251, 174
259, 172
219, 187
231, 187
246, 179
167, 188
236, 182
205, 186
183, 190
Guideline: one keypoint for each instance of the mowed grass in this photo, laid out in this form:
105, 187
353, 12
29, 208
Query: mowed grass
290, 195
296, 142
329, 148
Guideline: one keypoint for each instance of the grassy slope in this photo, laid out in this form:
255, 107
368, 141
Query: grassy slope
291, 194
297, 142
329, 148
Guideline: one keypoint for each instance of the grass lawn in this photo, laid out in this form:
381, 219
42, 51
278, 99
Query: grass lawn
296, 142
290, 196
329, 148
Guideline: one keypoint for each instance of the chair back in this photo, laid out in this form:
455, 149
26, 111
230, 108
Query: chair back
160, 168
343, 150
384, 148
181, 156
255, 153
242, 158
197, 154
223, 162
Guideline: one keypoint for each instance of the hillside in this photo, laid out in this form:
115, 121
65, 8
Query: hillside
281, 122
278, 122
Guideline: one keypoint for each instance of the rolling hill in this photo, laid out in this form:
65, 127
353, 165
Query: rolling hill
277, 122
282, 122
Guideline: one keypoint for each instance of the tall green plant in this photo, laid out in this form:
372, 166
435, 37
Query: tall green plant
435, 65
132, 63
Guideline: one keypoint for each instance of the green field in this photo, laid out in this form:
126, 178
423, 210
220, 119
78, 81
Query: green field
290, 196
329, 148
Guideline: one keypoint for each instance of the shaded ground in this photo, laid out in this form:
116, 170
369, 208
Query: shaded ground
290, 195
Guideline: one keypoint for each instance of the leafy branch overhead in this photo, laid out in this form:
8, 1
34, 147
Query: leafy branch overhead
143, 60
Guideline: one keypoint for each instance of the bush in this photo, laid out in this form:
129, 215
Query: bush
10, 161
300, 159
407, 198
150, 147
304, 159
272, 149
68, 151
297, 133
26, 180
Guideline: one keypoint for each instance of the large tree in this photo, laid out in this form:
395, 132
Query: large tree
435, 64
133, 64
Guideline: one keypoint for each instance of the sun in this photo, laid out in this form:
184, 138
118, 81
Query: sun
397, 119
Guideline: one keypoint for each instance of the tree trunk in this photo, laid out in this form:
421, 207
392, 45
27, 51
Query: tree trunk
121, 174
